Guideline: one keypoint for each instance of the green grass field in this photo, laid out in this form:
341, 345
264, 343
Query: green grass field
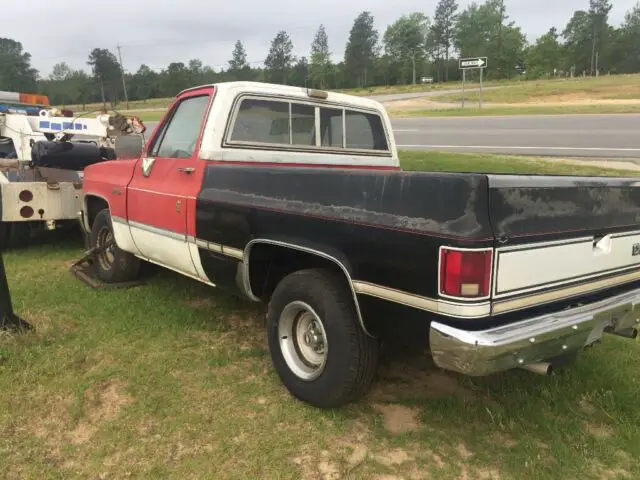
618, 87
172, 379
473, 110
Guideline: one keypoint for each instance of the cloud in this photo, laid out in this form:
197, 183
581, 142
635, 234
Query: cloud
157, 32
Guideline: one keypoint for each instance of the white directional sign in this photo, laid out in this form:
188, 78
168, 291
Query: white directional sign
477, 62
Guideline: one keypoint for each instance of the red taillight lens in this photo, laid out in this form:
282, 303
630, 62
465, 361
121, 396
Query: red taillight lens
465, 273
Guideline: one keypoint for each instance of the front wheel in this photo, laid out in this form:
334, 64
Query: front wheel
112, 265
318, 347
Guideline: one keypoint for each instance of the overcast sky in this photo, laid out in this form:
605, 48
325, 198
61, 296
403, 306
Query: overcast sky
157, 32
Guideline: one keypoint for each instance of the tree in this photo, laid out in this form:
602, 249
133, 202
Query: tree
61, 71
361, 50
405, 40
577, 36
443, 29
628, 42
175, 78
16, 73
545, 57
144, 84
481, 31
300, 73
280, 58
106, 71
238, 66
599, 15
320, 58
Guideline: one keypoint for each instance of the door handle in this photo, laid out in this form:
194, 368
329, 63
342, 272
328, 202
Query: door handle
186, 169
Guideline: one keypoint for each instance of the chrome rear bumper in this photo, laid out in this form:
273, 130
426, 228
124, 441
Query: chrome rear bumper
533, 340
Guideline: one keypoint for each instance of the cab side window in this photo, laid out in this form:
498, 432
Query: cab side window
179, 136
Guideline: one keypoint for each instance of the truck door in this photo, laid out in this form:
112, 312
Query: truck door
161, 195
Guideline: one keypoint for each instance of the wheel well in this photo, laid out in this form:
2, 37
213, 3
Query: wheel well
94, 206
269, 264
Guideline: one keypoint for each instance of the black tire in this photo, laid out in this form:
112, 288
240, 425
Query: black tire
351, 356
115, 265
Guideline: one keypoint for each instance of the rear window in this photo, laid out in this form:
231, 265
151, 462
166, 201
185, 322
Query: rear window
280, 122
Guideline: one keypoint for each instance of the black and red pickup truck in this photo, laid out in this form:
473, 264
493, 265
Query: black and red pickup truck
294, 197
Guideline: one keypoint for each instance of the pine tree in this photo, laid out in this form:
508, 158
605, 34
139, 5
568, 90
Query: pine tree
361, 50
280, 57
320, 58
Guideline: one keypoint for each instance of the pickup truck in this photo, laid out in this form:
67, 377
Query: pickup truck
295, 197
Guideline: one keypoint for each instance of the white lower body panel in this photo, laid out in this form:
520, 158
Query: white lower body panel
533, 267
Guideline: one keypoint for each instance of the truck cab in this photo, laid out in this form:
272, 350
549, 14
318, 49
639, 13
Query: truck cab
294, 197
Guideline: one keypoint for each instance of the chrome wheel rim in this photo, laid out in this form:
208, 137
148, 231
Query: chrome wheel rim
303, 340
105, 257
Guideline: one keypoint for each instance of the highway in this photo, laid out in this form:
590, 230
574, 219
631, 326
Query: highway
602, 136
597, 136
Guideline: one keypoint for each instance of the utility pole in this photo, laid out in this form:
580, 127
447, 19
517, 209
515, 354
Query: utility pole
124, 84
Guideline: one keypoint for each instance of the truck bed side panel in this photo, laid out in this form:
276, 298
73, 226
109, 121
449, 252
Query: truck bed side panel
389, 225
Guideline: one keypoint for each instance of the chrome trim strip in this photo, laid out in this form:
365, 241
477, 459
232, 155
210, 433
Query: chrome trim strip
247, 285
232, 252
533, 340
442, 307
120, 220
547, 297
158, 231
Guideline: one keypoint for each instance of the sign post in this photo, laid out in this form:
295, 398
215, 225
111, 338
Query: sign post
472, 64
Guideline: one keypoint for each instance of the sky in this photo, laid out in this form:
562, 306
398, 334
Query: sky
157, 32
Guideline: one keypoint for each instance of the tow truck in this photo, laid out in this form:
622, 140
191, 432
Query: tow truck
43, 151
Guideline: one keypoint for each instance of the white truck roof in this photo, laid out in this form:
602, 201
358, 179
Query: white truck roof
215, 145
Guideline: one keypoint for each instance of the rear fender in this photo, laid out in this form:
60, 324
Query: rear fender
326, 253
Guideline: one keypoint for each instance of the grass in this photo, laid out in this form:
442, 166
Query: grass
488, 163
172, 379
472, 110
618, 87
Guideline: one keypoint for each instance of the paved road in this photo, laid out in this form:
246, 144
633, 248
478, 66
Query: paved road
609, 136
600, 136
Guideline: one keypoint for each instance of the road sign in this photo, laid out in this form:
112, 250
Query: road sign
476, 62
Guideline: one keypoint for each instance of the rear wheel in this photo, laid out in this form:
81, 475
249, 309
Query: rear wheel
318, 348
112, 265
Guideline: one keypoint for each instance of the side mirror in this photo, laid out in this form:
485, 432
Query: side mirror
129, 146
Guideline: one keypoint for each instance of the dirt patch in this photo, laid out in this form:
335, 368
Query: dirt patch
586, 406
325, 469
391, 458
462, 451
598, 431
487, 474
328, 470
398, 419
200, 303
502, 438
357, 456
102, 404
415, 377
600, 471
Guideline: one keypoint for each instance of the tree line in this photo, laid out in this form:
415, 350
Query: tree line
412, 47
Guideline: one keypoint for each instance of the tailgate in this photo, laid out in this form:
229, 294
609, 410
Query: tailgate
558, 231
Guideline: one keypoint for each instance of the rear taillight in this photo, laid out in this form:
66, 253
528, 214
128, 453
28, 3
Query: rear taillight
465, 273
